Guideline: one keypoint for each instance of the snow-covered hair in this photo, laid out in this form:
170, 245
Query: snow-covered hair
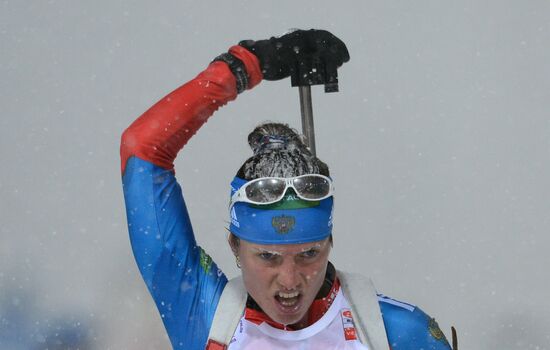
279, 151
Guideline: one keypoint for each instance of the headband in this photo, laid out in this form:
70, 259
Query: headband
290, 221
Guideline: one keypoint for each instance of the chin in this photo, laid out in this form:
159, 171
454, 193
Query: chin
287, 320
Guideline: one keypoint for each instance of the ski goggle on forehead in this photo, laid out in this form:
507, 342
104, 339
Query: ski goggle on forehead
269, 190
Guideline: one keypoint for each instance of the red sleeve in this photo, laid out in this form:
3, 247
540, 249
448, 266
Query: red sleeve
163, 130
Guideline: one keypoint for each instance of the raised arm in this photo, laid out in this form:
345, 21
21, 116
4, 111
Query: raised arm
180, 276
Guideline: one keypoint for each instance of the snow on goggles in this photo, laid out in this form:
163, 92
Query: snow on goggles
269, 190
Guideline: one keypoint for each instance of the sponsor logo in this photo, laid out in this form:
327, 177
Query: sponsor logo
349, 328
234, 220
283, 224
289, 201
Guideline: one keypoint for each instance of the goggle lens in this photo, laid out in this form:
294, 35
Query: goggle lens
265, 190
311, 187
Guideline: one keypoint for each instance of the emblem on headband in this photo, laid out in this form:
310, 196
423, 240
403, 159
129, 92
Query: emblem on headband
283, 224
435, 331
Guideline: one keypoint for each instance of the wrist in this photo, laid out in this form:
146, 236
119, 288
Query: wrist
244, 65
251, 63
237, 68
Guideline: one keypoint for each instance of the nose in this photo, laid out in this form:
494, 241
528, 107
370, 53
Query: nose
288, 276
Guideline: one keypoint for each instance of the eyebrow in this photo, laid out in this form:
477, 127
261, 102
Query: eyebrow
274, 252
316, 246
260, 250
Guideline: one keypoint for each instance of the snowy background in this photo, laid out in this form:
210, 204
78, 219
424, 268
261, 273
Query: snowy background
439, 142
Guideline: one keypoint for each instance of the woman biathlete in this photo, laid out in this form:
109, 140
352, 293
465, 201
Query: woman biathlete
289, 296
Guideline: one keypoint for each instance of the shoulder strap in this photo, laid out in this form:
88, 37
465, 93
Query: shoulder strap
228, 314
362, 297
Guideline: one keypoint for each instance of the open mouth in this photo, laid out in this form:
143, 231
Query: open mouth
288, 302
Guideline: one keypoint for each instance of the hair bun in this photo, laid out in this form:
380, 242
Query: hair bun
279, 151
270, 137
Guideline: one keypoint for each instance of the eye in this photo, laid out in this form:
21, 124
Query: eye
267, 256
309, 254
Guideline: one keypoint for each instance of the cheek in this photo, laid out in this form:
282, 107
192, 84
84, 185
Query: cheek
314, 274
256, 277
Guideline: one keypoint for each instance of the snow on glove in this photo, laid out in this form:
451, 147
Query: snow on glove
279, 56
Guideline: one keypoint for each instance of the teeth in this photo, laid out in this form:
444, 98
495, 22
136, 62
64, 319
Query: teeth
289, 295
288, 303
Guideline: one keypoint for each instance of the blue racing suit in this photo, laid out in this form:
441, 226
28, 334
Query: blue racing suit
184, 281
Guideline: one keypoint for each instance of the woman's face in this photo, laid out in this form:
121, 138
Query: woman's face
284, 278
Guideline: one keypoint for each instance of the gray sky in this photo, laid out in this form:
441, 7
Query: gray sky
439, 143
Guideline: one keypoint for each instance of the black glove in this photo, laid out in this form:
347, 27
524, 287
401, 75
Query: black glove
280, 56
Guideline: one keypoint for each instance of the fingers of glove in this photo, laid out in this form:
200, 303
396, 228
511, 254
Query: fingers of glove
318, 43
331, 48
